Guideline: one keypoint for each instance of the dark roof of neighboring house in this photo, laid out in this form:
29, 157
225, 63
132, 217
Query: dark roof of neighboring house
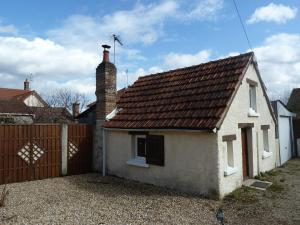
196, 97
274, 106
51, 115
14, 107
92, 105
294, 101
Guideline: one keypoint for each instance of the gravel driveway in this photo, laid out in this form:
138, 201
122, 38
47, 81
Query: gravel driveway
92, 199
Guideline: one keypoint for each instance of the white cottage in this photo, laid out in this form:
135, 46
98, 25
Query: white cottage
202, 129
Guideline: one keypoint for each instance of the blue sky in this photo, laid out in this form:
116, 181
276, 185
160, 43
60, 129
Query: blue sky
59, 41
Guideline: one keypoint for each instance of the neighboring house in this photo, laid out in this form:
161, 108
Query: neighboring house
26, 106
202, 129
15, 112
284, 131
294, 106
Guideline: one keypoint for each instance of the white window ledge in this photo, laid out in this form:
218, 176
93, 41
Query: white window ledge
230, 170
253, 113
266, 154
137, 162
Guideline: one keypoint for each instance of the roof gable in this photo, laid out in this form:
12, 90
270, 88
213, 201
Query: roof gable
195, 97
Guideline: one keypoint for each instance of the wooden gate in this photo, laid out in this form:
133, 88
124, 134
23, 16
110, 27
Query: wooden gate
80, 145
29, 152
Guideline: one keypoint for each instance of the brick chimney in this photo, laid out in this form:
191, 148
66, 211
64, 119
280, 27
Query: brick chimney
26, 85
105, 103
75, 109
105, 86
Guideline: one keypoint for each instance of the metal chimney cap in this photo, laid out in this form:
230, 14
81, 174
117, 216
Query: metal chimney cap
106, 47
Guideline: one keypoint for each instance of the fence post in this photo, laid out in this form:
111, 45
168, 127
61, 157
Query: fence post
64, 149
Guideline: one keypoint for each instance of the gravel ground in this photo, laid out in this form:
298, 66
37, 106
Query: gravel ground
92, 199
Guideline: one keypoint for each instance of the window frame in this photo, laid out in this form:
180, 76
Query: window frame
266, 140
141, 158
229, 167
266, 153
252, 98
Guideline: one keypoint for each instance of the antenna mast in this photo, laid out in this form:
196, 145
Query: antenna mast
116, 38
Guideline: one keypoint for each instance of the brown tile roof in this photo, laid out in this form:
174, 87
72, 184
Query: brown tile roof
14, 106
195, 97
8, 93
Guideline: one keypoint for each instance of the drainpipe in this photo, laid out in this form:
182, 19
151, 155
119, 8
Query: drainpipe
103, 153
258, 155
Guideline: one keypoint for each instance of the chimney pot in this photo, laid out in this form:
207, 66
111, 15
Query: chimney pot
106, 53
26, 85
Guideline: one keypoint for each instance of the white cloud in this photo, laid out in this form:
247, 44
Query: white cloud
46, 60
279, 62
176, 60
277, 13
70, 53
7, 29
205, 9
141, 24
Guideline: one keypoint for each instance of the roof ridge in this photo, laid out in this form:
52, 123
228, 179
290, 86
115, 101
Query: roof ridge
201, 64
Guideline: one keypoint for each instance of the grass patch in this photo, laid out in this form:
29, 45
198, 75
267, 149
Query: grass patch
268, 176
275, 187
244, 195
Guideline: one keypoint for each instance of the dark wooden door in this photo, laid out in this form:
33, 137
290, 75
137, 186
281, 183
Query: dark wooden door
245, 153
80, 148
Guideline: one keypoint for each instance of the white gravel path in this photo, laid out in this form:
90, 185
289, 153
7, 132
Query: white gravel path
92, 199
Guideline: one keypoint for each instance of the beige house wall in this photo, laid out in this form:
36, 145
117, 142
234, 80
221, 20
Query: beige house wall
238, 113
190, 161
33, 101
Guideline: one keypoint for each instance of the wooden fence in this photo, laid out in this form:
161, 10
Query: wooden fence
79, 148
31, 152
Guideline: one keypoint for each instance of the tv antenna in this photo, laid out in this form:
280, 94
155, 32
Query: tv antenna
116, 39
30, 78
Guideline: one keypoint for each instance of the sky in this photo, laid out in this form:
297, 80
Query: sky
59, 41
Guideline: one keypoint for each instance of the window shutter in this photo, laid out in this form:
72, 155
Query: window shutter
155, 150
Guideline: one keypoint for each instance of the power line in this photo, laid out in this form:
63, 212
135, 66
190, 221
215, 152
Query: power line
244, 29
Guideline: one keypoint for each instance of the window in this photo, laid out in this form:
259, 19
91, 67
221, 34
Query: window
265, 135
252, 95
230, 162
148, 149
252, 98
229, 155
266, 140
140, 148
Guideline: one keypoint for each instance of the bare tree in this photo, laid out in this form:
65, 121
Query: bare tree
65, 98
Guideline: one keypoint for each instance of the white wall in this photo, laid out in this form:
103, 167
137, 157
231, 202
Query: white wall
238, 113
190, 161
31, 100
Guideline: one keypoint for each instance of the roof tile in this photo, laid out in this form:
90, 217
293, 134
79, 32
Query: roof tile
188, 98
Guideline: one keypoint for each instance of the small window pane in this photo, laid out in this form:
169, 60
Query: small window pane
141, 147
266, 140
252, 96
230, 161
